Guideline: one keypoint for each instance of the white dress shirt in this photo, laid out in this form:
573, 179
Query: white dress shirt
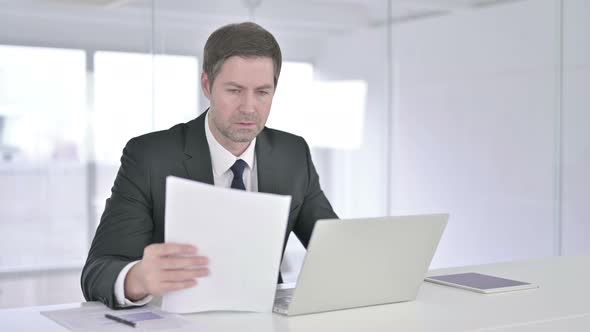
221, 162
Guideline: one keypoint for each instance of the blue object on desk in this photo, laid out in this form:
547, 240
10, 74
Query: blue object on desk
132, 319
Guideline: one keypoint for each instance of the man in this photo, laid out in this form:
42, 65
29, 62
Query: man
227, 146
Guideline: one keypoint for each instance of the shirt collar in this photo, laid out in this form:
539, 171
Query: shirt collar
221, 159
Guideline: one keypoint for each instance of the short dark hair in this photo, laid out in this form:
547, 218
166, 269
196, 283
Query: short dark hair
246, 40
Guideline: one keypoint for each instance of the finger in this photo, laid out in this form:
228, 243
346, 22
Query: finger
171, 263
168, 249
183, 275
172, 286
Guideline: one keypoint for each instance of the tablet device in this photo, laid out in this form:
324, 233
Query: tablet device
481, 283
133, 318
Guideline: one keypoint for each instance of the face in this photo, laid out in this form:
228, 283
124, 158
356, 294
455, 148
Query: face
240, 98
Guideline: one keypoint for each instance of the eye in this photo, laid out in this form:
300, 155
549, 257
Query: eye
233, 91
263, 93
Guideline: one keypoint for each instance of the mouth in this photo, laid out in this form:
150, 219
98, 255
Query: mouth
246, 124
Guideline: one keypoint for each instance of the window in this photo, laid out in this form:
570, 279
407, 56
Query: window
60, 142
42, 169
311, 108
137, 93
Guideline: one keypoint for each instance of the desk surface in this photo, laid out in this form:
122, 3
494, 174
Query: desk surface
561, 303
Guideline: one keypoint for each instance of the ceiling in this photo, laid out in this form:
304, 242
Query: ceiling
123, 23
336, 13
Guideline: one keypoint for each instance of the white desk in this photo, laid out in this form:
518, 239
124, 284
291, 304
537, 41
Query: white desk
562, 303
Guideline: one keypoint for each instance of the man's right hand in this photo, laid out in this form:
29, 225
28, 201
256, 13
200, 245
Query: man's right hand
165, 267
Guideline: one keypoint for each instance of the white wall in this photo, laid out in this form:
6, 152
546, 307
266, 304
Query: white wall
353, 180
474, 130
357, 178
476, 100
576, 128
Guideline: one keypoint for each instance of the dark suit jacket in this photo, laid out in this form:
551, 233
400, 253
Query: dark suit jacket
134, 214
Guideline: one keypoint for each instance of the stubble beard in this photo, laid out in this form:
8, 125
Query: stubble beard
241, 135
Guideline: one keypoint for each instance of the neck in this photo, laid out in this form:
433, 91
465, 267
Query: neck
235, 148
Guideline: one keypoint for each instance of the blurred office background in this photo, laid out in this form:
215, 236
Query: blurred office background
479, 108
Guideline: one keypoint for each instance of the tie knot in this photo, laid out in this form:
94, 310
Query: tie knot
238, 168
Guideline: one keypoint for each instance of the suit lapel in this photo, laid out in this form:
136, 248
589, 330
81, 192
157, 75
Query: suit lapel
267, 176
198, 162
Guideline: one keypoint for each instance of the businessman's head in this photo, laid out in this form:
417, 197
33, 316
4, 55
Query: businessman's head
241, 68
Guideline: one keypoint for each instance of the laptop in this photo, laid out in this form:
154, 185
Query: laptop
354, 263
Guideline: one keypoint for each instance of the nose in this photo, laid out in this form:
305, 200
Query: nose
248, 102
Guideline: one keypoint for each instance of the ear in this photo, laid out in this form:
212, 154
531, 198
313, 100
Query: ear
205, 85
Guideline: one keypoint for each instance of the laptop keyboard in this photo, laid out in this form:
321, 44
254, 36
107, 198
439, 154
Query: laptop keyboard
283, 297
287, 292
283, 301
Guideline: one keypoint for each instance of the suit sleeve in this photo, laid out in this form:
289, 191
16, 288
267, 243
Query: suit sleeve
315, 205
125, 228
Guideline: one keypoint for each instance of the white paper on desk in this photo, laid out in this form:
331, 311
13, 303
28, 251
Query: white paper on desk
90, 317
241, 232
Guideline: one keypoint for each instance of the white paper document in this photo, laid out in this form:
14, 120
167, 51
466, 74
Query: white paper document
241, 233
90, 317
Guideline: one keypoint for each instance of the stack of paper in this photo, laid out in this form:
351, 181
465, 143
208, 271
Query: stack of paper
90, 317
241, 232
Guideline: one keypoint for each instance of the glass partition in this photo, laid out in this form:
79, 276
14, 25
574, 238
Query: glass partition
475, 108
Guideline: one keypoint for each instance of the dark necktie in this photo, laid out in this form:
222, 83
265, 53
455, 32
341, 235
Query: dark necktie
238, 170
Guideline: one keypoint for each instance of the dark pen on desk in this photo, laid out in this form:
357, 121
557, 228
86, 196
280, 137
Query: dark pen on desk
120, 320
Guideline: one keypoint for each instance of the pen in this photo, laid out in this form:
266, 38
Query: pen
120, 320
